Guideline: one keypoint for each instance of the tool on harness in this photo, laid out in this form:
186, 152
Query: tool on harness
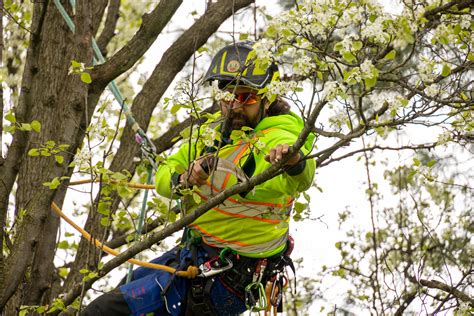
276, 293
214, 266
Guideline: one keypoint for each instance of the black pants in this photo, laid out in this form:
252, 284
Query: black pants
108, 304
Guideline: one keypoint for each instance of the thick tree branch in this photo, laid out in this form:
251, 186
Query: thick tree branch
434, 284
108, 32
407, 299
152, 25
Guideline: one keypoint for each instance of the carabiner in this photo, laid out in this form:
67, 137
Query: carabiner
212, 267
261, 303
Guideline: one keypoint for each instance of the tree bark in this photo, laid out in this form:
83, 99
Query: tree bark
59, 104
109, 26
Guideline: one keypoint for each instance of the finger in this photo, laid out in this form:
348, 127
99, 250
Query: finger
278, 153
272, 155
200, 173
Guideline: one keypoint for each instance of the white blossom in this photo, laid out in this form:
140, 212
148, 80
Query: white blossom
432, 90
220, 95
303, 65
281, 87
426, 69
208, 136
444, 138
331, 89
376, 31
263, 49
466, 21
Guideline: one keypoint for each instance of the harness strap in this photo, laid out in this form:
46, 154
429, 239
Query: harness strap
199, 298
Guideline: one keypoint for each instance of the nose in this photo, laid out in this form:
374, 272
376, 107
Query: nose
235, 105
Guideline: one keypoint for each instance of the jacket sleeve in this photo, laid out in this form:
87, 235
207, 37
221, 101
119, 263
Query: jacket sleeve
169, 170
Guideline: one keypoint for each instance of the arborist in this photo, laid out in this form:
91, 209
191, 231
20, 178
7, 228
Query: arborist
242, 245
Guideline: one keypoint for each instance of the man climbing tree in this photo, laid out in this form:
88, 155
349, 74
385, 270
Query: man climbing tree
241, 245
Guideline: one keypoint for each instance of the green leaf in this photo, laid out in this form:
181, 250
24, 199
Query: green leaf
470, 56
86, 77
59, 159
25, 127
391, 55
63, 272
33, 152
179, 169
104, 221
416, 162
103, 208
431, 163
243, 36
75, 64
370, 82
53, 184
357, 45
271, 31
349, 57
36, 126
446, 70
84, 271
196, 198
63, 244
175, 108
10, 117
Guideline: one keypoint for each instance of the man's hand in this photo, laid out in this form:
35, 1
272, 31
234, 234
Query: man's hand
197, 173
277, 153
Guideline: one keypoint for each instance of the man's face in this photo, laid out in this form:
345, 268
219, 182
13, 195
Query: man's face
244, 110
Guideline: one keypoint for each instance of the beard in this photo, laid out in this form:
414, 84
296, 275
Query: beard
235, 121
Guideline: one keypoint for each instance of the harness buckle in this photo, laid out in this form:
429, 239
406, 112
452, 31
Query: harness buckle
213, 267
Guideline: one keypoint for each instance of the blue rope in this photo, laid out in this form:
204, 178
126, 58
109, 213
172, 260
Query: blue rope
140, 222
147, 147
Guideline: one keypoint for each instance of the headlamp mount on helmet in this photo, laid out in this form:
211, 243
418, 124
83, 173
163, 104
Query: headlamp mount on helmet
234, 65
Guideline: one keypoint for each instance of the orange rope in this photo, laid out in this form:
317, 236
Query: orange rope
128, 184
192, 271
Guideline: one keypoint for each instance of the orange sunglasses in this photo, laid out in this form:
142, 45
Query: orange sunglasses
246, 98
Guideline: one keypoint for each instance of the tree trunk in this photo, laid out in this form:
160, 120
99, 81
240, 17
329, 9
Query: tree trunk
60, 106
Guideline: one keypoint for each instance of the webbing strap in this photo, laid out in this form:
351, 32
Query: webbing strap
140, 221
147, 146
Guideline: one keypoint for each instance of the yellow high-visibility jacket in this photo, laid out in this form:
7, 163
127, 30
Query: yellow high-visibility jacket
254, 224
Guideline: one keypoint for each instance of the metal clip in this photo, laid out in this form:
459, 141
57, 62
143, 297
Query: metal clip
212, 267
252, 304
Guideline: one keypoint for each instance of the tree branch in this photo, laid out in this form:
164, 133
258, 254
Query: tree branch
372, 148
434, 284
124, 59
109, 26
